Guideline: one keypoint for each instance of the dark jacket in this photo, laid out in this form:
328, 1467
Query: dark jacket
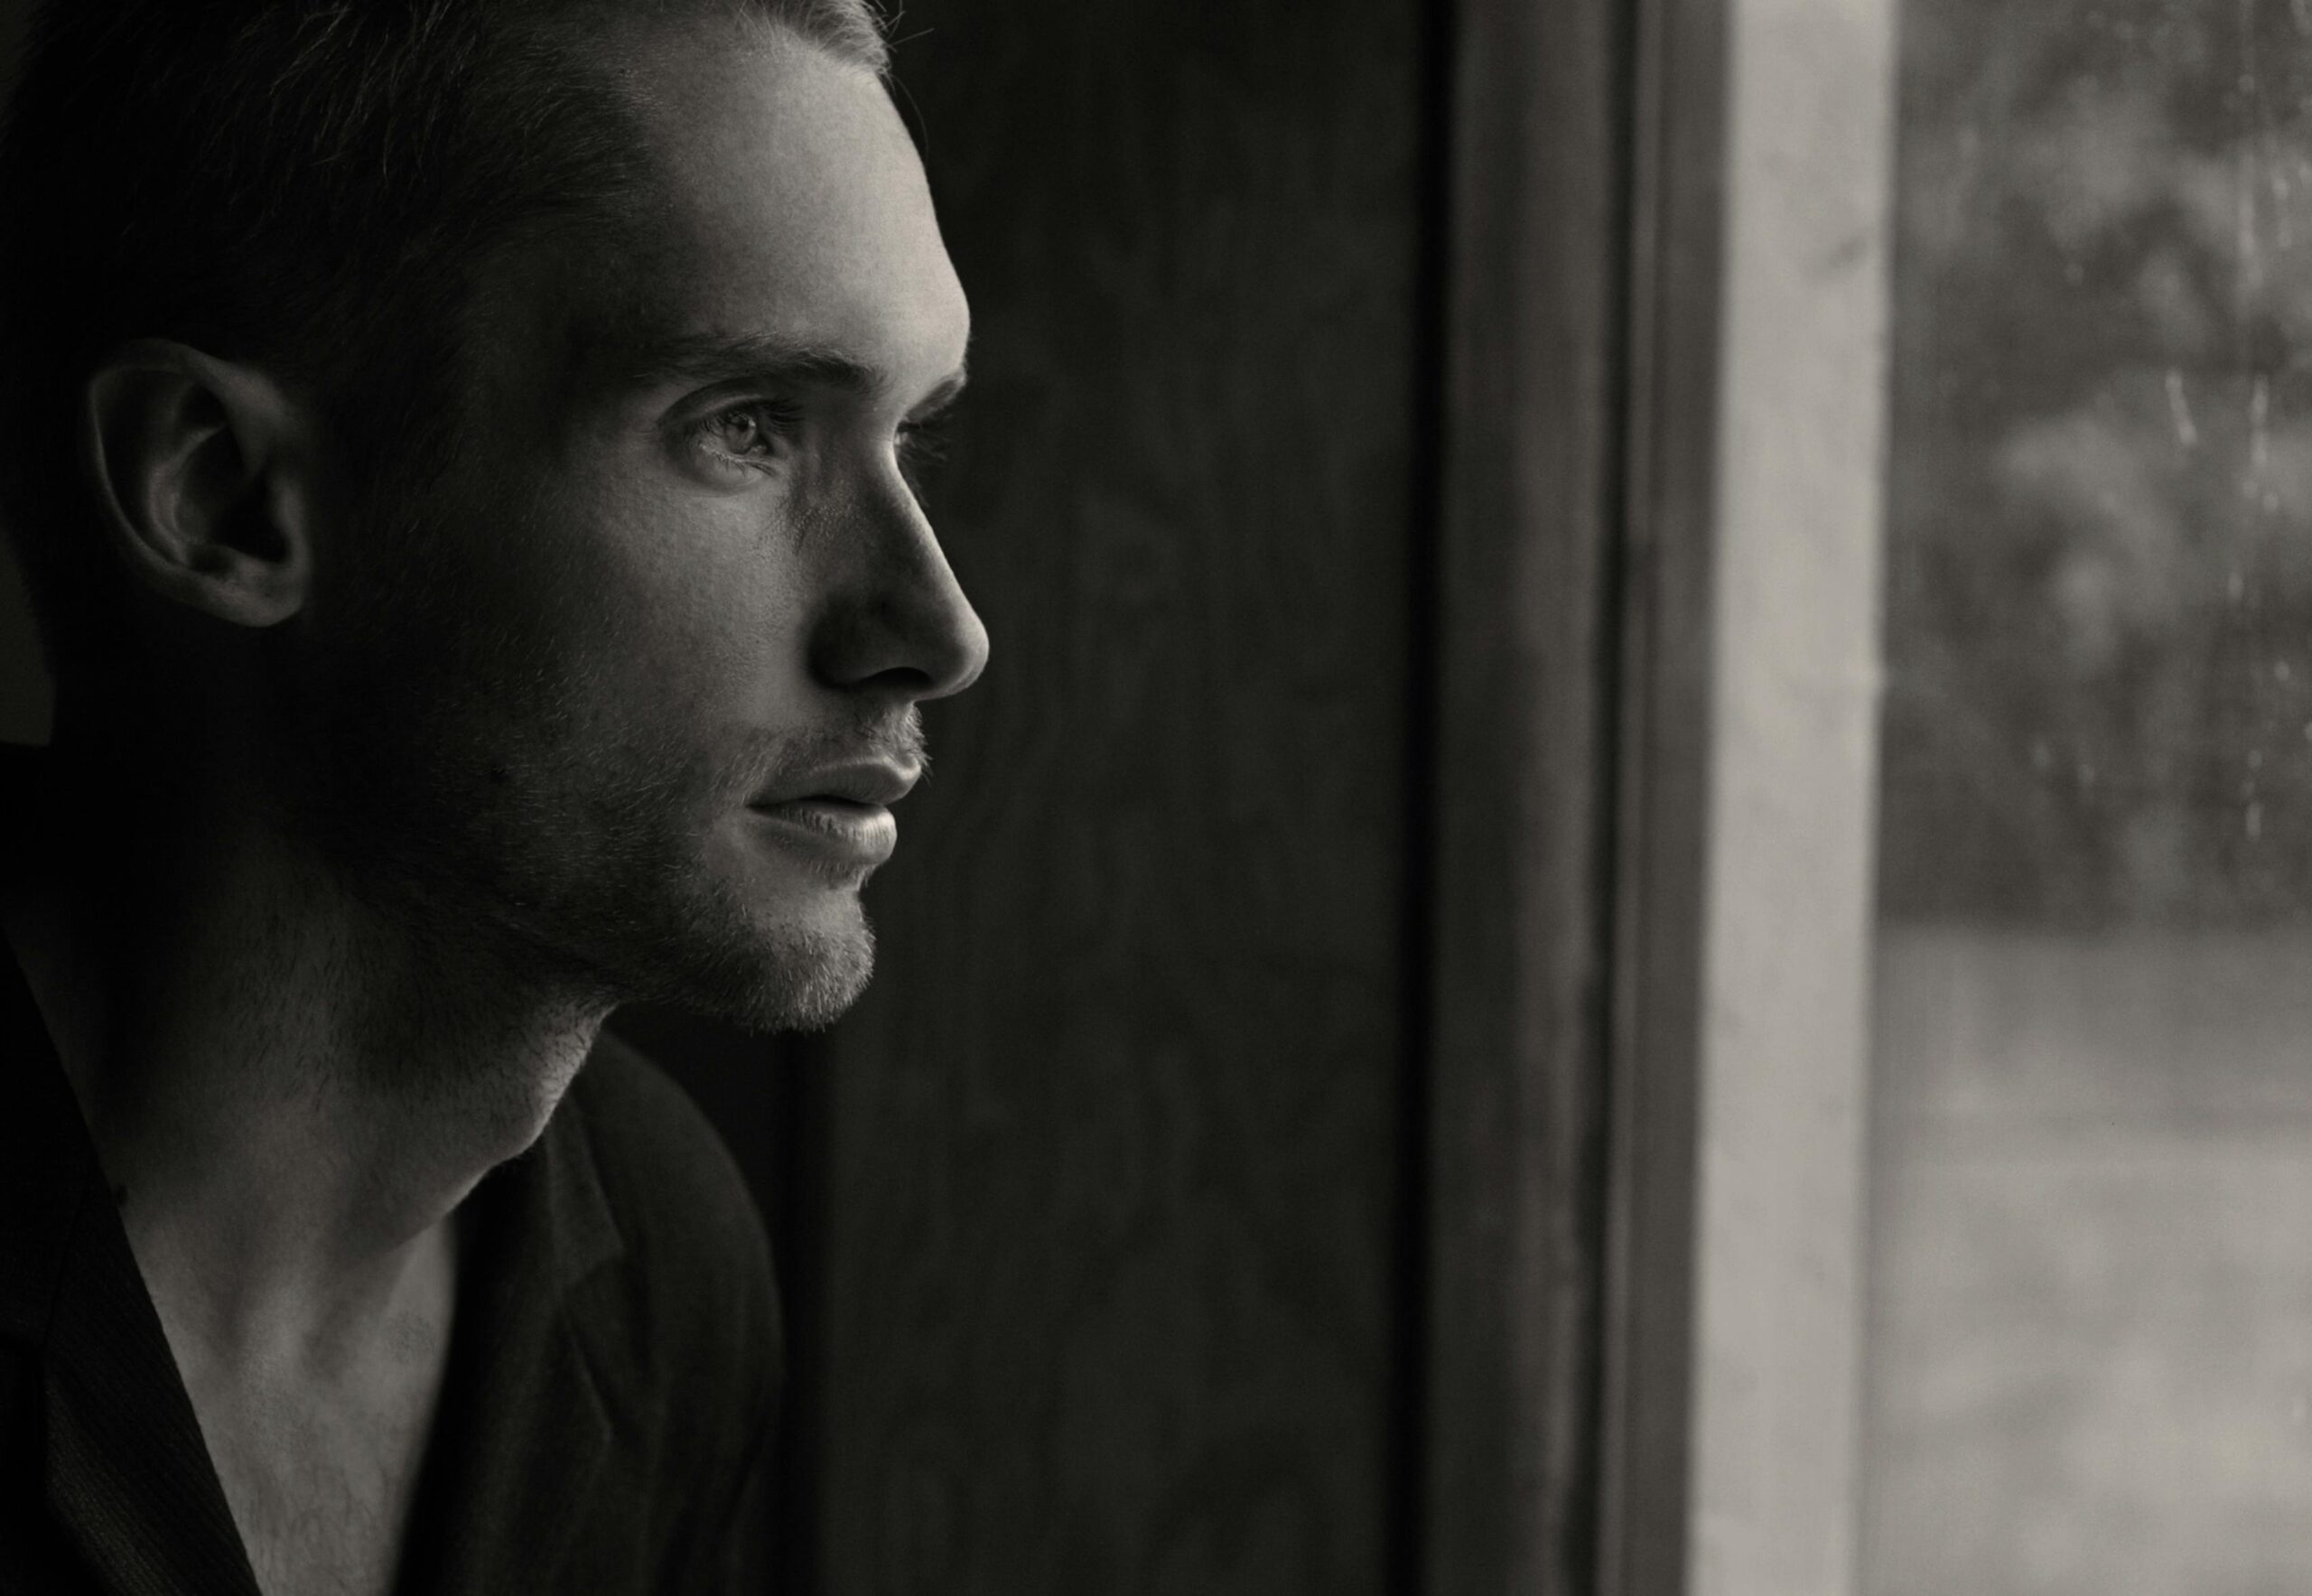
604, 1423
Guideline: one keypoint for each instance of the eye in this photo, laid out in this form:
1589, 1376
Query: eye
920, 445
746, 435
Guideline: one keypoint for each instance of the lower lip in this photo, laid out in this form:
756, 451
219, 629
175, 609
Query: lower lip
835, 829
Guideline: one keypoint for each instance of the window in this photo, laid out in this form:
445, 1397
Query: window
2090, 1341
2002, 1129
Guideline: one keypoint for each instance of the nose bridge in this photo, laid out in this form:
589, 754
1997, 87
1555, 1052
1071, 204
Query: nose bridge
902, 615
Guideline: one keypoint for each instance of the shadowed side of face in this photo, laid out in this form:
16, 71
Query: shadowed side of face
635, 682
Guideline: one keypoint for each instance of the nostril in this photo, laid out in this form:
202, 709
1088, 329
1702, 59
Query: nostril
912, 634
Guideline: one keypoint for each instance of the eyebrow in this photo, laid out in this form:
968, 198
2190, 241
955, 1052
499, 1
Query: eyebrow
709, 357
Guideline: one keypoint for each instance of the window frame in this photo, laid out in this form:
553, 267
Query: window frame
1644, 1234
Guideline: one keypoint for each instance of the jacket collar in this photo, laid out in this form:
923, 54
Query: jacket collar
521, 1430
128, 1475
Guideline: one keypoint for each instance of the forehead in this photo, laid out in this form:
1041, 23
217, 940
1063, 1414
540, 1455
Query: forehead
783, 203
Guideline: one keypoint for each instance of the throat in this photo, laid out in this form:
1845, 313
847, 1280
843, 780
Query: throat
318, 1435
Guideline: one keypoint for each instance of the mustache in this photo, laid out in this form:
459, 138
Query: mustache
891, 737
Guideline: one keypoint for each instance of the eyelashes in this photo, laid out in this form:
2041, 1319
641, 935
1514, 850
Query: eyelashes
747, 436
758, 435
919, 447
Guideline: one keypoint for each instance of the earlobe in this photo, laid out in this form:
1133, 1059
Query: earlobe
201, 469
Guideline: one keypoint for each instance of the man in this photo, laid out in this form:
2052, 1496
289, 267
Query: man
456, 450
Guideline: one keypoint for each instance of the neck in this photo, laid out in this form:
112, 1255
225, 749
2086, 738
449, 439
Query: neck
291, 1088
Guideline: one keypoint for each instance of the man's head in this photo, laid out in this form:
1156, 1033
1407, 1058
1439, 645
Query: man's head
492, 410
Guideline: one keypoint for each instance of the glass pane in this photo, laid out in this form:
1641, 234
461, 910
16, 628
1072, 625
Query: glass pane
2089, 1347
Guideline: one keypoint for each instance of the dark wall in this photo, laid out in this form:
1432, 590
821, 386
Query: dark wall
1107, 1293
25, 698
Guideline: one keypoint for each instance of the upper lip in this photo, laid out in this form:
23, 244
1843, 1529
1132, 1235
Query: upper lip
866, 781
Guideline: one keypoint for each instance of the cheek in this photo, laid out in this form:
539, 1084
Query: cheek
675, 608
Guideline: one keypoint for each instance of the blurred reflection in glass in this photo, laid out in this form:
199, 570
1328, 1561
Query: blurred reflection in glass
2090, 1348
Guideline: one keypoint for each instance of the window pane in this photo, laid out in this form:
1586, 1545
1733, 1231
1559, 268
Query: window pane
2089, 1361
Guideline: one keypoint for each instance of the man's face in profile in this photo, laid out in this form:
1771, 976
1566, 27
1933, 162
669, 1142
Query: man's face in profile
634, 678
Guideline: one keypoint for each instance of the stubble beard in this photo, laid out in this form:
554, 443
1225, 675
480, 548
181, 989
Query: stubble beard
443, 769
593, 874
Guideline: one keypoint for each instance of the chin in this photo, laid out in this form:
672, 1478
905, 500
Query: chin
797, 969
809, 980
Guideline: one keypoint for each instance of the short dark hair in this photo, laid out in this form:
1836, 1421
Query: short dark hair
301, 182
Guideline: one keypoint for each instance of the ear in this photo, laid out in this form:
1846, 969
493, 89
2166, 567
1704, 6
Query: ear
202, 469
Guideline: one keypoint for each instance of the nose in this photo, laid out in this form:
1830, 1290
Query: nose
899, 623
